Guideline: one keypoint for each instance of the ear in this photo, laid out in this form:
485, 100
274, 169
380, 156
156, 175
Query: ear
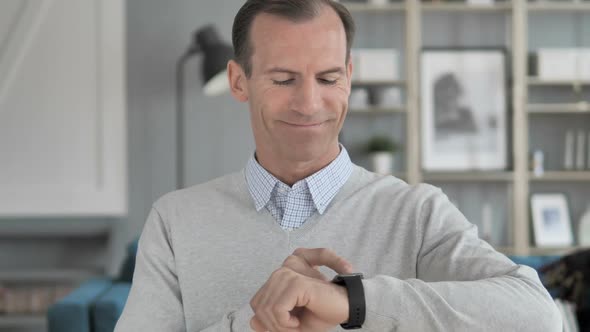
349, 73
237, 81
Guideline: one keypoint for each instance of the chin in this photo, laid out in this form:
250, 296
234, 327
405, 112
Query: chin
306, 152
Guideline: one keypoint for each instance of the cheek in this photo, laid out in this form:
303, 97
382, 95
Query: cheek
264, 109
275, 101
336, 101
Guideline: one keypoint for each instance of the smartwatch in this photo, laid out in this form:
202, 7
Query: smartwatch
356, 299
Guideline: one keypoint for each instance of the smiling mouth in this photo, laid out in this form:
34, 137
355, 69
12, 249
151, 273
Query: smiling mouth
310, 125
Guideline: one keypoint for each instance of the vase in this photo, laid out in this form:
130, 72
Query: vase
382, 162
378, 2
584, 228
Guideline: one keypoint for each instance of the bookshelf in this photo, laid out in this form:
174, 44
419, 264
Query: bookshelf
580, 107
23, 321
376, 110
465, 8
564, 6
369, 8
562, 176
469, 176
27, 289
400, 83
517, 182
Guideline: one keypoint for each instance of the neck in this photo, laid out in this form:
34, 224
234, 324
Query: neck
289, 170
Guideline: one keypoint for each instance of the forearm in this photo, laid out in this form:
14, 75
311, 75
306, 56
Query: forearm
235, 321
514, 302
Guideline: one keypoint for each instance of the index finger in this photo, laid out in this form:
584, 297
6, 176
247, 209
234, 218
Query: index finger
324, 257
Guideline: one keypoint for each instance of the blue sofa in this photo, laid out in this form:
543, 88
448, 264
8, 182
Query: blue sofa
98, 303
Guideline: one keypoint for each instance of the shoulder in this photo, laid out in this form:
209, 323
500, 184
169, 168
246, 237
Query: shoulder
389, 187
222, 189
389, 195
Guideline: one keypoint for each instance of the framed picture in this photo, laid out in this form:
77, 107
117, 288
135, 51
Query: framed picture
464, 109
551, 220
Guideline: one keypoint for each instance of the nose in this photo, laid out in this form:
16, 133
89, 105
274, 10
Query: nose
307, 99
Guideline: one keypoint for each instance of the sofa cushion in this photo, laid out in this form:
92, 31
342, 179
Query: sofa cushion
535, 262
126, 273
73, 312
108, 308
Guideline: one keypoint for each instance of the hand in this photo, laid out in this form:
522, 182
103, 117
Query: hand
297, 297
306, 262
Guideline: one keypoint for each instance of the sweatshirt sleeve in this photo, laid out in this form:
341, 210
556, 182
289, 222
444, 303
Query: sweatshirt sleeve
462, 284
155, 301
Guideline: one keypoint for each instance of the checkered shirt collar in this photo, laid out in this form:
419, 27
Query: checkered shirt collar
322, 185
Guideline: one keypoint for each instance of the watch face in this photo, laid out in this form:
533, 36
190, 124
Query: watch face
340, 277
351, 275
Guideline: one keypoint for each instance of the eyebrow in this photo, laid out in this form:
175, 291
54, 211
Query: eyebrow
337, 70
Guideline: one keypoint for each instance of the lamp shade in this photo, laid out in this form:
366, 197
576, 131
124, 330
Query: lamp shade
216, 54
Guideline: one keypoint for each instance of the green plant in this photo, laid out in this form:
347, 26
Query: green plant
381, 144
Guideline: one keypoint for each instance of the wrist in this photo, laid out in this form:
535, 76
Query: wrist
355, 298
345, 309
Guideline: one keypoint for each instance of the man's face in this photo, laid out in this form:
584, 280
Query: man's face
299, 87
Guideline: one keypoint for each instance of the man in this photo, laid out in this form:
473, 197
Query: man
237, 253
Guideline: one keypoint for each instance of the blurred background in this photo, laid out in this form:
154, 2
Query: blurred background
101, 114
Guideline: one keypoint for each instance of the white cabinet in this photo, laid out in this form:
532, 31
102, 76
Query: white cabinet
63, 144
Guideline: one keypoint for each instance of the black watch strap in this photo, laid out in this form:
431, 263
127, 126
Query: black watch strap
356, 299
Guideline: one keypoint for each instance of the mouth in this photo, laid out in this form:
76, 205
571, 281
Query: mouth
303, 125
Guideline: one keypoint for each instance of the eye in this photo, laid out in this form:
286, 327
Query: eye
285, 82
327, 82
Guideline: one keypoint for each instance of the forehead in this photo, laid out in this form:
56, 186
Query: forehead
276, 38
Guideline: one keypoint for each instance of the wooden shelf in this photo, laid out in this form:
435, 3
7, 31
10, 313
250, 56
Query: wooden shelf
541, 251
549, 251
22, 321
554, 6
561, 176
400, 175
54, 229
469, 176
52, 275
534, 81
464, 7
581, 107
366, 7
506, 250
380, 83
377, 110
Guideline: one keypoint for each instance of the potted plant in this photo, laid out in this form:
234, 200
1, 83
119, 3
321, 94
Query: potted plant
381, 152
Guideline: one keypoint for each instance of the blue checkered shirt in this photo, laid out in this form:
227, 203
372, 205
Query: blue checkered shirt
292, 206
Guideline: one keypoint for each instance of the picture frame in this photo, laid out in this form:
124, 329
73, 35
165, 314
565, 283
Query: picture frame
464, 109
551, 220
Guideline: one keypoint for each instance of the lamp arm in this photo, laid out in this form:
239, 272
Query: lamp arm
180, 65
